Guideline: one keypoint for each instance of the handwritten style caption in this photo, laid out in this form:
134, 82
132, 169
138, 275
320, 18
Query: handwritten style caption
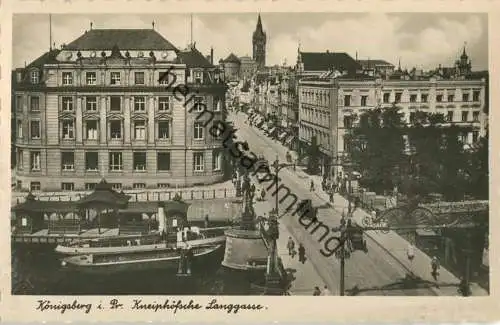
170, 305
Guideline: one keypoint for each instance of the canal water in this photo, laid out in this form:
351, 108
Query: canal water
37, 271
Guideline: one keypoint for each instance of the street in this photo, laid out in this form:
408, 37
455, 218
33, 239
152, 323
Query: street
373, 273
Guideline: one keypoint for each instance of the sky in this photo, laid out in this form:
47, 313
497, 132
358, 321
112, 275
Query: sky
421, 40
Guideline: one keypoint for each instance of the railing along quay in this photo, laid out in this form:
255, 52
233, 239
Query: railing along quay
143, 196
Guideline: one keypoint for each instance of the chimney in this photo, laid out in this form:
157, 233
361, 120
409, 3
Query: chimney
212, 56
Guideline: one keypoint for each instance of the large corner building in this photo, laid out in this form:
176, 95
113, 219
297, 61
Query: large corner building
99, 107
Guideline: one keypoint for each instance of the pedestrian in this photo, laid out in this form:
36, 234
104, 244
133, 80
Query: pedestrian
326, 292
312, 186
206, 221
263, 195
331, 196
316, 291
302, 254
374, 216
410, 252
435, 267
290, 246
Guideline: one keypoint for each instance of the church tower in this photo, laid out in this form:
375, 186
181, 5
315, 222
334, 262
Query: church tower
259, 45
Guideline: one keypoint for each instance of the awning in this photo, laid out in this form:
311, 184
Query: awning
104, 196
290, 139
272, 130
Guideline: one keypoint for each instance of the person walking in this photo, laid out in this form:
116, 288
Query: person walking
312, 186
435, 267
302, 254
263, 195
326, 292
316, 291
290, 246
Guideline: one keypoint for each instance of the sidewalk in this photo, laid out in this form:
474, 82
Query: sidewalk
304, 277
396, 247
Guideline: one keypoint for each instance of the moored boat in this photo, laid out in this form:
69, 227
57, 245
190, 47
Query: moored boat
165, 259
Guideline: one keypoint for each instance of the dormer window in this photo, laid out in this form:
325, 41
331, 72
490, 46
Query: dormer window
35, 77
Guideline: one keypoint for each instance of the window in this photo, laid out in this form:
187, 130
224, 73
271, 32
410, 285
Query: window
386, 97
475, 95
19, 129
216, 160
475, 116
115, 78
115, 129
35, 76
20, 159
138, 185
90, 186
449, 116
164, 103
91, 78
35, 186
115, 103
35, 129
91, 103
475, 136
163, 130
67, 103
68, 129
198, 77
19, 103
116, 186
163, 77
67, 160
91, 129
163, 161
347, 122
34, 103
347, 100
439, 98
35, 160
198, 105
67, 78
413, 98
424, 98
163, 185
139, 103
465, 116
68, 186
364, 100
398, 98
217, 104
139, 161
198, 131
115, 161
198, 161
451, 98
139, 78
140, 130
465, 97
91, 161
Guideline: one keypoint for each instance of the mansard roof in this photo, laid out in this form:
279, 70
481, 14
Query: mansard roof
193, 58
323, 61
126, 39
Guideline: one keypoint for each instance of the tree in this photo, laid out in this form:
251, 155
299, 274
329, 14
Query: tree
376, 147
313, 157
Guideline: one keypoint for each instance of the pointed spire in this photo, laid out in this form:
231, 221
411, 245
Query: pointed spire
464, 54
259, 23
399, 64
153, 24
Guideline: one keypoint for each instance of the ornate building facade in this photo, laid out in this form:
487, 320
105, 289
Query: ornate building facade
107, 105
259, 40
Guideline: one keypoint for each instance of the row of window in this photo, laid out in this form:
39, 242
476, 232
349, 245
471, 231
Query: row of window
115, 78
164, 103
163, 161
67, 186
322, 97
115, 129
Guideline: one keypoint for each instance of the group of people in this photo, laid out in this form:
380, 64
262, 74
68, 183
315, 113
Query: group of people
291, 250
318, 292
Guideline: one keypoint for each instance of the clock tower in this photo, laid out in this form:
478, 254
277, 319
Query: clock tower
259, 45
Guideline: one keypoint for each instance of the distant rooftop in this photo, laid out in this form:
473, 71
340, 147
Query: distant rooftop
373, 63
323, 61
